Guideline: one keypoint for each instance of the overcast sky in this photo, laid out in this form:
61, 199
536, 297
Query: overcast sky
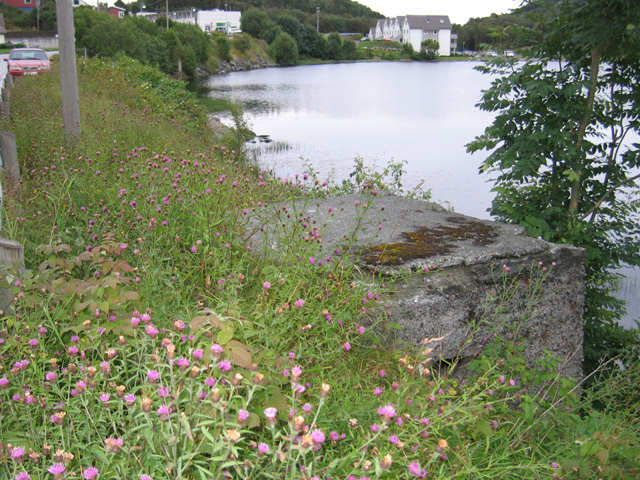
459, 11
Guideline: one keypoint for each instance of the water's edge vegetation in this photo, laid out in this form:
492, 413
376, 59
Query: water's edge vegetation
147, 340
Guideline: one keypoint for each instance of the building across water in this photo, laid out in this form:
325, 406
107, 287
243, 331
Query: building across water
414, 29
225, 21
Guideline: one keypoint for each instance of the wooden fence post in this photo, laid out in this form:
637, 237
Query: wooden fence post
9, 154
11, 263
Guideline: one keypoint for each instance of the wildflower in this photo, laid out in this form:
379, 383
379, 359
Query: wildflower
318, 437
90, 473
113, 445
57, 469
152, 331
145, 477
324, 390
163, 392
393, 440
266, 285
130, 399
298, 303
104, 397
414, 469
271, 413
387, 413
382, 373
51, 377
385, 463
164, 411
295, 373
153, 375
361, 330
346, 346
4, 382
216, 350
23, 476
375, 428
198, 353
224, 365
17, 453
263, 449
378, 391
242, 416
233, 435
34, 342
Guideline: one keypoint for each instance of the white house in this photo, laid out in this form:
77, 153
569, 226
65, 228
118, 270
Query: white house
414, 29
208, 20
418, 28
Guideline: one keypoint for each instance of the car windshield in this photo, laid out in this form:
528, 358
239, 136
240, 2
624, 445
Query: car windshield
28, 55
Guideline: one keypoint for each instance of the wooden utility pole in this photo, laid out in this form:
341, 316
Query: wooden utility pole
68, 69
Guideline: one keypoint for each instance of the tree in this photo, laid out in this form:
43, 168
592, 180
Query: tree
428, 49
254, 22
223, 47
285, 50
560, 144
334, 46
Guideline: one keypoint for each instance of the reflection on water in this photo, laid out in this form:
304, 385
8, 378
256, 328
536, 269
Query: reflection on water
421, 113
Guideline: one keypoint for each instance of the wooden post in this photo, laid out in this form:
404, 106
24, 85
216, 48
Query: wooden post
68, 69
4, 110
11, 263
6, 93
9, 154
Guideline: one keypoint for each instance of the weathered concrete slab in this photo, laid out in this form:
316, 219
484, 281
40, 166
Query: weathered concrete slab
462, 278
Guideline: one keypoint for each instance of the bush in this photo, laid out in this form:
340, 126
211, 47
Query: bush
284, 50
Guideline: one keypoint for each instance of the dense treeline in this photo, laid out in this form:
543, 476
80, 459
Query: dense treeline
105, 36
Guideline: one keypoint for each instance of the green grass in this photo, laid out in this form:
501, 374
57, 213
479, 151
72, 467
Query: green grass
144, 221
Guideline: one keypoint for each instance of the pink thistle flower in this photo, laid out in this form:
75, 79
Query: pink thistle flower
23, 476
298, 303
318, 437
51, 377
271, 414
263, 449
346, 346
198, 353
17, 453
152, 331
34, 342
145, 477
164, 411
153, 375
387, 413
4, 382
224, 365
266, 285
216, 350
375, 428
393, 440
104, 397
56, 469
90, 473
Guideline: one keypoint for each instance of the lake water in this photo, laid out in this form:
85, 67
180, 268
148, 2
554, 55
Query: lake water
421, 113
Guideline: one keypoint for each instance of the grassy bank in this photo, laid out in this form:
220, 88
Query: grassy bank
148, 339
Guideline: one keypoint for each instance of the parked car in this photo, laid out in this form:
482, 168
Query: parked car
509, 53
28, 61
492, 53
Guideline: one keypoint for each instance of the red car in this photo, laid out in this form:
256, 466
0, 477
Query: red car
28, 61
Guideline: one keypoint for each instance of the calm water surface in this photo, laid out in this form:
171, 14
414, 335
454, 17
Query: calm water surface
421, 113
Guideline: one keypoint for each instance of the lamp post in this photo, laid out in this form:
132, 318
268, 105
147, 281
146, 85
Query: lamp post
167, 12
318, 19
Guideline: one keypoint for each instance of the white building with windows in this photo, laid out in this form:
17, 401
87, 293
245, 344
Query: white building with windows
414, 29
225, 21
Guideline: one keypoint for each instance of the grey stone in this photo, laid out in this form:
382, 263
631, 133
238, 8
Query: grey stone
457, 277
